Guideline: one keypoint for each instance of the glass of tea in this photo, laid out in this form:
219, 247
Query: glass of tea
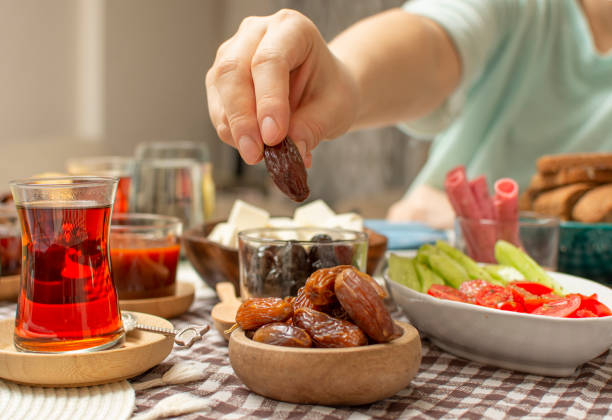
67, 300
120, 167
144, 253
10, 242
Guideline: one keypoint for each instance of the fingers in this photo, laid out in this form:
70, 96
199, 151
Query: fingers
232, 93
285, 46
217, 116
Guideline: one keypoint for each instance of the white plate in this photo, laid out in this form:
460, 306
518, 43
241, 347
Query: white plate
537, 344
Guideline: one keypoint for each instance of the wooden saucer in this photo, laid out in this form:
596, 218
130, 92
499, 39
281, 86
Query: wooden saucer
165, 307
140, 352
9, 287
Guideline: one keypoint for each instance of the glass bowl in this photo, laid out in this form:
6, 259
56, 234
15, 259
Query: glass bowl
277, 261
537, 235
144, 251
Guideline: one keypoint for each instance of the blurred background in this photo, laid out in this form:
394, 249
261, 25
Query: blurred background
94, 77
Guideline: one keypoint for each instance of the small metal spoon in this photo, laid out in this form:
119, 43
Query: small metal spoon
185, 337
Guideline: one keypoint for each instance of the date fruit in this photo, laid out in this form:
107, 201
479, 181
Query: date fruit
280, 334
255, 312
327, 331
361, 301
319, 287
287, 169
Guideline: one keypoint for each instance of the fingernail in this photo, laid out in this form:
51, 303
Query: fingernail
249, 149
301, 145
269, 130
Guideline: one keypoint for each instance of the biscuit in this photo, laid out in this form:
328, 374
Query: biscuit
553, 163
560, 201
594, 206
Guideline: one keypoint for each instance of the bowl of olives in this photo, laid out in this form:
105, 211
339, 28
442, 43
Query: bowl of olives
277, 261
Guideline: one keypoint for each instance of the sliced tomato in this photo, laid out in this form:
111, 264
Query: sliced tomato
584, 313
590, 303
493, 295
537, 289
511, 306
446, 292
471, 288
563, 307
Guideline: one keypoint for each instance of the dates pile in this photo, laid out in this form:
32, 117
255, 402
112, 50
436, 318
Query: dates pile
337, 307
280, 270
287, 169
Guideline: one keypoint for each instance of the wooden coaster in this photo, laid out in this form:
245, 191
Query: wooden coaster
140, 352
165, 307
9, 287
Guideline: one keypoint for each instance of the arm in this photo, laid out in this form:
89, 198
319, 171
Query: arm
276, 76
404, 65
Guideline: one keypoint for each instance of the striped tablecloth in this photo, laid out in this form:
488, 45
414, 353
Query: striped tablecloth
445, 387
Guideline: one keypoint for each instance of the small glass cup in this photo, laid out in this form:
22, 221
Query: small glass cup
10, 242
172, 187
185, 149
537, 235
67, 300
120, 167
144, 250
277, 261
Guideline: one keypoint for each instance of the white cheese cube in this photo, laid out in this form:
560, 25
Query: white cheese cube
246, 216
224, 234
350, 221
281, 222
316, 213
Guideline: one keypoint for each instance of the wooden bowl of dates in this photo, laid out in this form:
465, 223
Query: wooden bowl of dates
217, 263
327, 376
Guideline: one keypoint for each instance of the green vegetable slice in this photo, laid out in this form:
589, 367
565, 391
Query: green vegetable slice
508, 254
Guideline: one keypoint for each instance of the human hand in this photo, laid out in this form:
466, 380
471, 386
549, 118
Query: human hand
424, 204
276, 77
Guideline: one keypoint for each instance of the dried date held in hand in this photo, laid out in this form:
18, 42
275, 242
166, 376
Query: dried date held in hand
280, 334
255, 312
327, 331
365, 307
286, 167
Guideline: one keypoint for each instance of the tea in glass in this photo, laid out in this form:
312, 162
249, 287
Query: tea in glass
67, 300
119, 167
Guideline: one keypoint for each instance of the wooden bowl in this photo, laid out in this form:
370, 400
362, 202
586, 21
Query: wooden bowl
216, 263
347, 376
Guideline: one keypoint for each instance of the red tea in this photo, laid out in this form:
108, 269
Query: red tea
145, 271
10, 255
122, 196
67, 300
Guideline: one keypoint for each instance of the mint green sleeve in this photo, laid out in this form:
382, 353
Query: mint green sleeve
477, 28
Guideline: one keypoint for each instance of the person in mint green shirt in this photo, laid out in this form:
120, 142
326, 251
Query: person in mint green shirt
497, 83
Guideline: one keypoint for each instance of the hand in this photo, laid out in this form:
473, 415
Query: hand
424, 204
277, 77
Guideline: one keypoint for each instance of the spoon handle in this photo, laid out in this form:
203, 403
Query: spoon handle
158, 330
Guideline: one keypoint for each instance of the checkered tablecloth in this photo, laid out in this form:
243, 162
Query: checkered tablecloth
445, 387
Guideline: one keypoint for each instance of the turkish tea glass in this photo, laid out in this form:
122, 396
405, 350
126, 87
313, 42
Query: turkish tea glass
10, 242
144, 251
67, 300
120, 167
